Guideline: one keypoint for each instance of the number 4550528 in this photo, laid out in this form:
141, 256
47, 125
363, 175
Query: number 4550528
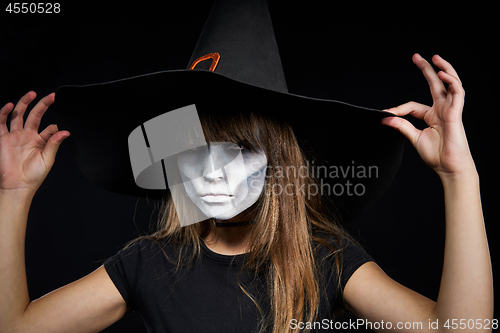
33, 8
471, 323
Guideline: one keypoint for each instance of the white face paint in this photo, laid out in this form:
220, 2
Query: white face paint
224, 179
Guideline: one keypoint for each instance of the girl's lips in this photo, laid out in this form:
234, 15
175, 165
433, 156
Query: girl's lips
216, 197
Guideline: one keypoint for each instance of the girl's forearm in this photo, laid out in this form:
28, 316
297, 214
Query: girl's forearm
466, 289
14, 297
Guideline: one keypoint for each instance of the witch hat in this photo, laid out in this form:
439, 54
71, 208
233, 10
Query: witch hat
235, 67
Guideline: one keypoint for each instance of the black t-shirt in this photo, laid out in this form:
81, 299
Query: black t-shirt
207, 298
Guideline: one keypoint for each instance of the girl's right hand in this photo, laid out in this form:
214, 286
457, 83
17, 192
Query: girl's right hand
26, 157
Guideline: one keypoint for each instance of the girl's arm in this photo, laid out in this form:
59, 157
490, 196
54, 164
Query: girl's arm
87, 305
466, 289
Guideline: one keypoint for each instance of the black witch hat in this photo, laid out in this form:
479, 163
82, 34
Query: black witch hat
235, 67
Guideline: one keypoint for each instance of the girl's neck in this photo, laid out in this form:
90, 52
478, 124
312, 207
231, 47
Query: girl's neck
230, 237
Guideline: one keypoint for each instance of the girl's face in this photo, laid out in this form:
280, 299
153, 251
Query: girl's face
222, 179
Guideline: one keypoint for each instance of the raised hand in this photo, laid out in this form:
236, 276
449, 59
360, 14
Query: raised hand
443, 144
26, 156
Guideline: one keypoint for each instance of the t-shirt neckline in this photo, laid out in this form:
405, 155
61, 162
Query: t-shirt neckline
222, 257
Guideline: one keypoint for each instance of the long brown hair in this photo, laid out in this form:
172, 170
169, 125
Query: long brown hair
289, 225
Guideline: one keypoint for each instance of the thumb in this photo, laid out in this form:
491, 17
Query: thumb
404, 126
52, 146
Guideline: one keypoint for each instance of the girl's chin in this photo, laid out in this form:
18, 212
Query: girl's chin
223, 217
224, 214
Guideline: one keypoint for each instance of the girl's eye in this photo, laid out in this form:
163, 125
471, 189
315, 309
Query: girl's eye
236, 147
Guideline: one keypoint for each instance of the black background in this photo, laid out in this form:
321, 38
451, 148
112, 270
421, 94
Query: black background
355, 53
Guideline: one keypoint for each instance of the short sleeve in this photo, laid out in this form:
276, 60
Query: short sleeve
124, 269
354, 257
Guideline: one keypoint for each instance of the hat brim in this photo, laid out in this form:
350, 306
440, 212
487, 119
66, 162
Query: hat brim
359, 157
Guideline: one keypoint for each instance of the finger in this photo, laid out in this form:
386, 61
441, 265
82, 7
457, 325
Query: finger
4, 112
47, 133
456, 92
16, 122
52, 146
415, 109
438, 90
36, 114
445, 66
404, 126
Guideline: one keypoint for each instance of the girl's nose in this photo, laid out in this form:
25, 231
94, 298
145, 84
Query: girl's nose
210, 173
214, 176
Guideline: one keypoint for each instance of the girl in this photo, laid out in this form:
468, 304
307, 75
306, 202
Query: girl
284, 255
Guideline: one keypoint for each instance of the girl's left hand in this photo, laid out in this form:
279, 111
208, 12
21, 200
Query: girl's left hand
443, 144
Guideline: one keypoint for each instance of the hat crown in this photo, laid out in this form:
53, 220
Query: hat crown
241, 32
